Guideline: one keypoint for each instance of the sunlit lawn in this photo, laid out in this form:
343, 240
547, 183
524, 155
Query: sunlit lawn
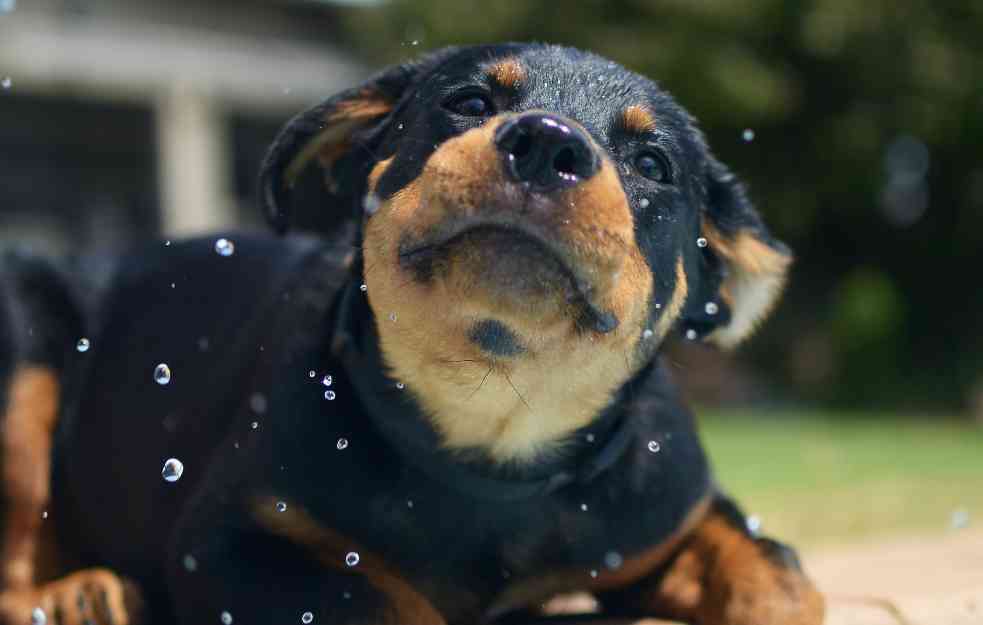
816, 479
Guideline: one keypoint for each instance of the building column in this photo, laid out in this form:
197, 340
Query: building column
193, 164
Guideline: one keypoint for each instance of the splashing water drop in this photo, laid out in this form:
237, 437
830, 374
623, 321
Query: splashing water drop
589, 437
307, 618
281, 506
38, 617
654, 447
342, 444
258, 403
643, 203
44, 515
691, 334
400, 385
747, 135
647, 333
226, 618
162, 374
173, 470
753, 524
701, 242
83, 345
658, 306
399, 126
959, 519
363, 288
613, 560
329, 395
409, 503
190, 563
312, 374
6, 82
254, 425
392, 316
225, 247
593, 573
351, 558
371, 204
327, 380
583, 507
711, 308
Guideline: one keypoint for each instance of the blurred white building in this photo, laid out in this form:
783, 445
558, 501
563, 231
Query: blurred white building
138, 117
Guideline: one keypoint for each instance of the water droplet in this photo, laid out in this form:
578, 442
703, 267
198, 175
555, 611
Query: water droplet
162, 374
647, 333
44, 514
226, 618
583, 507
225, 247
203, 344
711, 308
593, 573
371, 204
409, 503
346, 595
643, 203
281, 506
364, 287
747, 135
38, 617
589, 437
342, 444
613, 560
400, 385
254, 425
654, 446
167, 243
351, 558
701, 242
173, 470
6, 82
399, 126
753, 524
329, 395
173, 285
83, 345
959, 519
392, 316
658, 306
258, 403
306, 618
415, 42
327, 380
691, 334
190, 563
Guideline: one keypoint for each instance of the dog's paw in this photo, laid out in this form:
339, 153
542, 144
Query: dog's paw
89, 597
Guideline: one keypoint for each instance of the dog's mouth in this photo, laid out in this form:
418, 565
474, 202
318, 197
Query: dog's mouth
513, 261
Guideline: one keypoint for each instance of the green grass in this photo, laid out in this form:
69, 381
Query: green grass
814, 479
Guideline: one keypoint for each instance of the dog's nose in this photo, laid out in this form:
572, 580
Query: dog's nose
545, 151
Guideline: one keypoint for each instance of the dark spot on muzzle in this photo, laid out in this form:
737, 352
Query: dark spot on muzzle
495, 338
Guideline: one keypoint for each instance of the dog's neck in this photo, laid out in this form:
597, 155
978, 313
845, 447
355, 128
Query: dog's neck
584, 453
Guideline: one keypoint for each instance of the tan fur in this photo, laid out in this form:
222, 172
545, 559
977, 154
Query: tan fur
329, 548
508, 73
635, 568
514, 408
638, 119
332, 141
377, 170
757, 277
88, 597
722, 577
674, 306
28, 427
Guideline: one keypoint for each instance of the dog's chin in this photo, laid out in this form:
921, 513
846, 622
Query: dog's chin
511, 271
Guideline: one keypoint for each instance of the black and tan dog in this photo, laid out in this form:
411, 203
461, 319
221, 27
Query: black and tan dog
452, 415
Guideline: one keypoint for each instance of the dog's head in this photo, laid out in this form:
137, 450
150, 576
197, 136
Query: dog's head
535, 221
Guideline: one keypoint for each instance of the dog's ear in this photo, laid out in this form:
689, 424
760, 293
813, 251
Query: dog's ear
744, 268
332, 130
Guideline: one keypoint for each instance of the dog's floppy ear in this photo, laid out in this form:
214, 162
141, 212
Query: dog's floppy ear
744, 267
330, 131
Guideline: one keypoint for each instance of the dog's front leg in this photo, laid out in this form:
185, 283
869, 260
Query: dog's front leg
724, 575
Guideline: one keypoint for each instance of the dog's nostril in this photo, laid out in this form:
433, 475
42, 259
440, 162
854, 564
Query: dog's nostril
565, 161
522, 145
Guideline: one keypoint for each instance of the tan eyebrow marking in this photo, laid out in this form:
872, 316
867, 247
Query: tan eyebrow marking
637, 118
508, 73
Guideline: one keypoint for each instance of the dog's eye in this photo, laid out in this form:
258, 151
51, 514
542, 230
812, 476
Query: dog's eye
470, 105
653, 166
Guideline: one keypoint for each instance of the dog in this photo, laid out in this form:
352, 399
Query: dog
448, 413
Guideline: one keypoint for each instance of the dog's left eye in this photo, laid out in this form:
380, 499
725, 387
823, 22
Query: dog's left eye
470, 105
653, 166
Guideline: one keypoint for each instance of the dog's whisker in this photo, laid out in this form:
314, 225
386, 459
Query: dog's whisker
517, 393
482, 383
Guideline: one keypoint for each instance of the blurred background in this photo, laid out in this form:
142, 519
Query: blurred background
857, 411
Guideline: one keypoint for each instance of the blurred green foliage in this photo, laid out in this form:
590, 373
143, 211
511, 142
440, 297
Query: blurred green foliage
868, 122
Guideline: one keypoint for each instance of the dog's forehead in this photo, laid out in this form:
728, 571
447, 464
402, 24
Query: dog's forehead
589, 88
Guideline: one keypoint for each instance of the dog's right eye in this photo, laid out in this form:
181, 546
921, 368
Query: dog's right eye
470, 105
